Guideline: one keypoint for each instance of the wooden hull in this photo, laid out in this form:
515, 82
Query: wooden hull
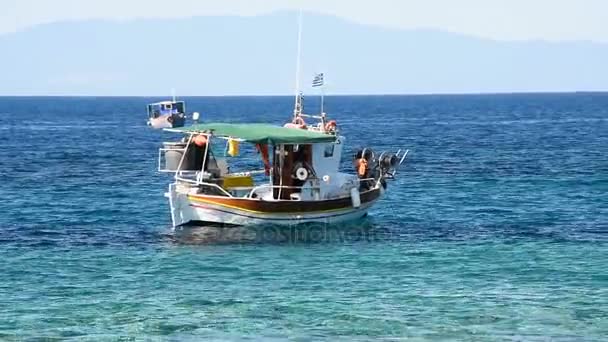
193, 209
167, 121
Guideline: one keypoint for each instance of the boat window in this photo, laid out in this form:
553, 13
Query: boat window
329, 150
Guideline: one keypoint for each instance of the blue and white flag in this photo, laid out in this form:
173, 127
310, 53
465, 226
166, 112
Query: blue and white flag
319, 80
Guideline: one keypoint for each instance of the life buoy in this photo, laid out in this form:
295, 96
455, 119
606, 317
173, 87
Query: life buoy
331, 126
170, 119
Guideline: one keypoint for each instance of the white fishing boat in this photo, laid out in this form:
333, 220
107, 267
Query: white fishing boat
167, 114
299, 179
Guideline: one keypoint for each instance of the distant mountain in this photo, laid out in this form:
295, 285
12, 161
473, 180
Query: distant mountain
256, 55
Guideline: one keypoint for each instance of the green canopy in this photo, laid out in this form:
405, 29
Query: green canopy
259, 133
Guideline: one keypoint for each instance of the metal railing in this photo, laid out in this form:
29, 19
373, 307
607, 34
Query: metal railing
255, 189
285, 187
162, 153
198, 183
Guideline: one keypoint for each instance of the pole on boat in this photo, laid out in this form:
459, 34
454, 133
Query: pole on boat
322, 99
319, 82
298, 107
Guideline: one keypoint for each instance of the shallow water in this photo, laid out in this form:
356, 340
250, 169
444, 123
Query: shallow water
497, 228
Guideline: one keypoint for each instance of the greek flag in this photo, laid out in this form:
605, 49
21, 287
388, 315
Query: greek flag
319, 80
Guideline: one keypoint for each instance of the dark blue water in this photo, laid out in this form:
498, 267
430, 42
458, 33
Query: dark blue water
496, 229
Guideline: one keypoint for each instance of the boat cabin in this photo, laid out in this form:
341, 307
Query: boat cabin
167, 114
158, 109
293, 164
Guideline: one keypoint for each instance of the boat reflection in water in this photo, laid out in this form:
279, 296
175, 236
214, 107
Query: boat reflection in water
363, 230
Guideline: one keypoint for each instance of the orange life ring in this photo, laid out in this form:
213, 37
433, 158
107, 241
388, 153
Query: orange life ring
331, 126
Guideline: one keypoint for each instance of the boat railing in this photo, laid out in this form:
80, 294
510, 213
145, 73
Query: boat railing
255, 189
250, 194
315, 187
280, 187
199, 183
161, 153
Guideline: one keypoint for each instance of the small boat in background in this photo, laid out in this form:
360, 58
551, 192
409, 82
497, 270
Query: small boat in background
167, 114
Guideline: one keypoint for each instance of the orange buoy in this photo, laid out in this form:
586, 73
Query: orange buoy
362, 167
200, 140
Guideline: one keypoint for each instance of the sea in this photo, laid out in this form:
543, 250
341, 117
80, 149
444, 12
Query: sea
495, 228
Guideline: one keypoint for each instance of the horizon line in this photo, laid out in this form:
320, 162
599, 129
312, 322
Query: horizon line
337, 95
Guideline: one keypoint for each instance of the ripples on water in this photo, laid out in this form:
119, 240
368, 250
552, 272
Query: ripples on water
496, 229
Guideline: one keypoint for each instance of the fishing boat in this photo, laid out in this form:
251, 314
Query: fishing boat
167, 114
297, 178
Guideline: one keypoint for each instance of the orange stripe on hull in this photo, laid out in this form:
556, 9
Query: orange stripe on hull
283, 206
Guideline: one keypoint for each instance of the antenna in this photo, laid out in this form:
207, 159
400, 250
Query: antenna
323, 96
173, 94
298, 106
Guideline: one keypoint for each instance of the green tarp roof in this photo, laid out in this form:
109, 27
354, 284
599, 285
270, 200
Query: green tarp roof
260, 133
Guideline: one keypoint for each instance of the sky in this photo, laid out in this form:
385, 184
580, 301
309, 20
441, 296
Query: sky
553, 20
247, 47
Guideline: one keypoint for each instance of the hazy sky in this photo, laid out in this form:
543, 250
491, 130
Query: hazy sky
498, 19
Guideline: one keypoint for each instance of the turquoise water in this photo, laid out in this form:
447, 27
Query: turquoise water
497, 229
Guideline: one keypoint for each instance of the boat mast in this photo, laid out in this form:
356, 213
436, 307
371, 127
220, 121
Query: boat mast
322, 100
298, 102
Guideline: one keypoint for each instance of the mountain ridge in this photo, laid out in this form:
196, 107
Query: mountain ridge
256, 56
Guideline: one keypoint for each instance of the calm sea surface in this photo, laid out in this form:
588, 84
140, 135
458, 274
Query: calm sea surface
496, 229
